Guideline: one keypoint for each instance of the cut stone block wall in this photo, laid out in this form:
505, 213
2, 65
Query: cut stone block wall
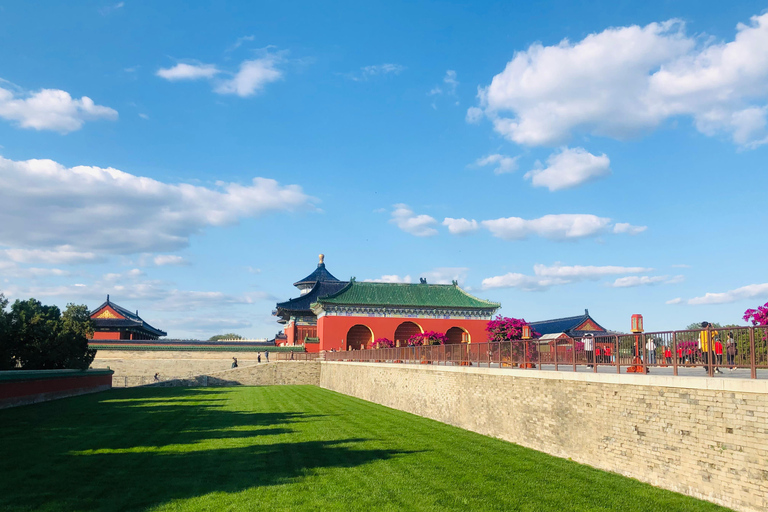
138, 367
264, 374
703, 437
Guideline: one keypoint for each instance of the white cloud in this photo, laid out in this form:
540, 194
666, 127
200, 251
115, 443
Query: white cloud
446, 275
368, 72
52, 213
677, 300
474, 115
109, 9
585, 271
751, 291
390, 278
460, 226
419, 225
623, 227
632, 281
63, 254
240, 40
450, 84
547, 276
556, 227
252, 77
568, 168
169, 259
51, 109
184, 71
627, 80
502, 163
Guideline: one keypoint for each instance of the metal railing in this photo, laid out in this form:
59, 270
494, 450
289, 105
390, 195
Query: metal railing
676, 351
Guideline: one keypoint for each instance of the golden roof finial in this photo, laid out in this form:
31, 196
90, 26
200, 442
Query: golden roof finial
322, 257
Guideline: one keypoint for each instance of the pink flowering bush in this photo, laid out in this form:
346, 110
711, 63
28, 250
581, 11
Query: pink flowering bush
506, 329
383, 343
428, 338
758, 317
511, 329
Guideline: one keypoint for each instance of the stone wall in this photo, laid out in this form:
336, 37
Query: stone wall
703, 437
138, 367
264, 374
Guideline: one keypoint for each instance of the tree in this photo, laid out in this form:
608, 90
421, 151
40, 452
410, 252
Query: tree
6, 353
38, 337
230, 336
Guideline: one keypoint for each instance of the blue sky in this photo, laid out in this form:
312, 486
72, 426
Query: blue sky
192, 162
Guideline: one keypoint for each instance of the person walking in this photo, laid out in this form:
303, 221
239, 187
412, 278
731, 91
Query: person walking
705, 336
731, 351
266, 355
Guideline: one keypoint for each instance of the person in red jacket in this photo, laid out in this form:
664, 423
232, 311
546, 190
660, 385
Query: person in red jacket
718, 350
680, 355
668, 354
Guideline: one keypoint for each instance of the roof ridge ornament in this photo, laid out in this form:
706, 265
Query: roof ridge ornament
322, 260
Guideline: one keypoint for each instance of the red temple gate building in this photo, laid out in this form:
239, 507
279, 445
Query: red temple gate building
297, 316
361, 312
113, 322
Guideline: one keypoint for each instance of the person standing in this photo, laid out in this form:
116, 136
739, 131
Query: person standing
718, 351
650, 346
705, 337
668, 355
266, 355
589, 349
731, 351
258, 358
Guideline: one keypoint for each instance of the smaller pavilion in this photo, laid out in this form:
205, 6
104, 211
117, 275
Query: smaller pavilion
113, 322
297, 316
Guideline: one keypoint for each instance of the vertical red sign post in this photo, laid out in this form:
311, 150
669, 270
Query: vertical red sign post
637, 329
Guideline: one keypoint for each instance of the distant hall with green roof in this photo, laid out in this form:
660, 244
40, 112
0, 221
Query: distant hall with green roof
348, 315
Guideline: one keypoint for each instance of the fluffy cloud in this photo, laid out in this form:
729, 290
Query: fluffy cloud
502, 164
51, 109
460, 226
677, 300
568, 168
84, 212
252, 77
626, 80
556, 227
751, 291
419, 225
183, 71
547, 276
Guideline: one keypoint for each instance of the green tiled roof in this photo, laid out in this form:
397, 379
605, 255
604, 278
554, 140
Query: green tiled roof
414, 295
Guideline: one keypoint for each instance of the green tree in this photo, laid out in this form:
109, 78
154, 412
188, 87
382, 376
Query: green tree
6, 353
38, 337
230, 336
696, 326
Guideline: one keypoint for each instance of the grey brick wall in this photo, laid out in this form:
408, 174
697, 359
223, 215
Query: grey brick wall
703, 437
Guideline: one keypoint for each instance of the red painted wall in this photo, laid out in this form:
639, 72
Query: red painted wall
106, 335
15, 389
332, 330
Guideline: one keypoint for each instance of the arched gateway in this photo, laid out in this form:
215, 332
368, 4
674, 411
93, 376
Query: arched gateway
457, 335
404, 331
359, 337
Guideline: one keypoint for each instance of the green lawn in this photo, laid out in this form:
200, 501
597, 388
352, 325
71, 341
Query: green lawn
282, 448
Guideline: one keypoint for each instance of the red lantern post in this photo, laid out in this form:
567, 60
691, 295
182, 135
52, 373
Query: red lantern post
637, 329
